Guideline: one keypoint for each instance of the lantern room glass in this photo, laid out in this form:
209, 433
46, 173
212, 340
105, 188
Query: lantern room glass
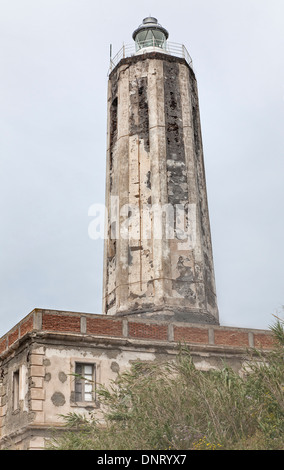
150, 38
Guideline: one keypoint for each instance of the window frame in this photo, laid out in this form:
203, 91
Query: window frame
80, 381
16, 390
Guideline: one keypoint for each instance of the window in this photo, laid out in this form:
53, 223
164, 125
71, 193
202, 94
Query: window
16, 390
85, 382
150, 37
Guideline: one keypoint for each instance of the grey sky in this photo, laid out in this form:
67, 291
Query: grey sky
54, 57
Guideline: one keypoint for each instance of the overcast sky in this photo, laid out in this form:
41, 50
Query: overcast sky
54, 58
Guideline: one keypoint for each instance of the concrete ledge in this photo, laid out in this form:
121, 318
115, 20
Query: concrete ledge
151, 55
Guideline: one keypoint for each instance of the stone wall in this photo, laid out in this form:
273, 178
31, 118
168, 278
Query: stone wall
159, 264
44, 347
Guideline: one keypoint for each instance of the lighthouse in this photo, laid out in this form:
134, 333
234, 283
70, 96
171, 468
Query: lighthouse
158, 261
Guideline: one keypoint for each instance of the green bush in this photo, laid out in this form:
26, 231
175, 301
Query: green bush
173, 405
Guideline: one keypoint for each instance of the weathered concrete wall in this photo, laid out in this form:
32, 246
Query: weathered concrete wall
155, 162
46, 344
15, 417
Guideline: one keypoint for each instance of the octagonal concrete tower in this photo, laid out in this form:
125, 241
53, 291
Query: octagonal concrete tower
158, 260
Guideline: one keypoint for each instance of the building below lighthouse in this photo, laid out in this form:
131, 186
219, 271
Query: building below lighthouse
159, 283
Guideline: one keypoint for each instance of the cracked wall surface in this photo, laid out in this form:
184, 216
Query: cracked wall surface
155, 170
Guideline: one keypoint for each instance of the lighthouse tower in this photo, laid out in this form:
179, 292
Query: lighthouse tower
158, 260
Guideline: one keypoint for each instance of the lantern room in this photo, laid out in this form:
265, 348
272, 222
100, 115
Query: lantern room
150, 35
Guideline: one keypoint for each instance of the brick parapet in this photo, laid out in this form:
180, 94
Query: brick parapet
134, 329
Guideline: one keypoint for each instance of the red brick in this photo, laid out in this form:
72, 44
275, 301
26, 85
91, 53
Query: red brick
148, 331
265, 341
3, 345
231, 338
104, 326
191, 334
70, 323
13, 336
26, 326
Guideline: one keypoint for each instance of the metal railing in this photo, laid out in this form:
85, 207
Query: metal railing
171, 48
